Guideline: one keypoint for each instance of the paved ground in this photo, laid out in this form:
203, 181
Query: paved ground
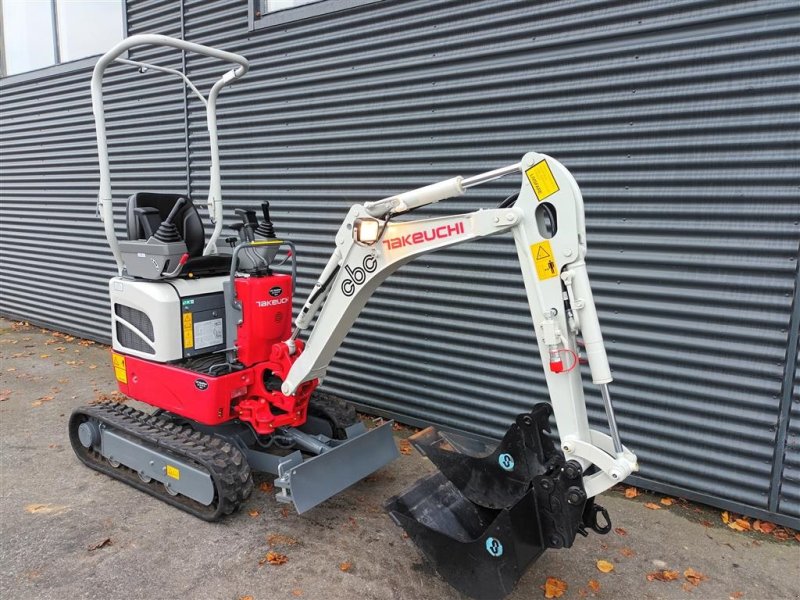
52, 510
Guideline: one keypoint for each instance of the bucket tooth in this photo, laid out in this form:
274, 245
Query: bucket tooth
493, 478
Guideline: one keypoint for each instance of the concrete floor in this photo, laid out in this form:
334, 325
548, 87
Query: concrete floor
53, 509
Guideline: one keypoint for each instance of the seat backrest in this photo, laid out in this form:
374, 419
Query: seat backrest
187, 221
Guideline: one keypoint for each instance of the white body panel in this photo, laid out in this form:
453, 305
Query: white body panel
161, 302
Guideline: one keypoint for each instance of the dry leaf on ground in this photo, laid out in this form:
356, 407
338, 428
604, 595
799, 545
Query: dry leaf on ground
652, 506
405, 447
631, 492
604, 566
253, 513
726, 518
663, 575
736, 595
739, 525
620, 531
764, 526
554, 588
5, 395
45, 509
666, 501
273, 558
297, 592
594, 585
345, 566
278, 539
627, 552
266, 487
694, 577
245, 598
97, 545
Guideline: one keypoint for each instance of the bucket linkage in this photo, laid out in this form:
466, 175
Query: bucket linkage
488, 513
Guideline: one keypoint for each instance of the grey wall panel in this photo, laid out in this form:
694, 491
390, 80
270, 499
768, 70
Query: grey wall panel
790, 482
55, 261
677, 118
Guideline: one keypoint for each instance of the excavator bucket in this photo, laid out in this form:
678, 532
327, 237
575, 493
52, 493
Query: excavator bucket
490, 512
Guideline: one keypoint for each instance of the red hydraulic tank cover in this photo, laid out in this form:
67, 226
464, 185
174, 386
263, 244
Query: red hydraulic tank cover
266, 316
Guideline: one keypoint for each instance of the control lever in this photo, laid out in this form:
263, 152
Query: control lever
266, 228
167, 232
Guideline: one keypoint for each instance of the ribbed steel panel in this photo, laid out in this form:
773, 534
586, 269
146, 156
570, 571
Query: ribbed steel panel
56, 263
790, 481
679, 121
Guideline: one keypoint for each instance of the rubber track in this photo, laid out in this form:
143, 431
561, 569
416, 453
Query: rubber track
227, 466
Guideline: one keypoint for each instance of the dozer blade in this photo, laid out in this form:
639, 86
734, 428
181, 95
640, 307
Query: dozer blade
487, 515
323, 476
492, 478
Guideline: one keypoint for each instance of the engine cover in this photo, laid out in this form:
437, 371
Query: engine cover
166, 321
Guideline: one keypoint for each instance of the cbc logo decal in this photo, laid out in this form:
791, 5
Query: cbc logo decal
358, 275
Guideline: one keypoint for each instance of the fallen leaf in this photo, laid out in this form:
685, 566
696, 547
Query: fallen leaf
11, 369
100, 544
631, 492
345, 566
554, 588
652, 506
245, 598
693, 577
254, 513
273, 558
739, 525
45, 509
666, 501
604, 566
92, 366
765, 527
594, 585
44, 356
663, 575
736, 595
284, 512
277, 539
297, 592
726, 518
620, 531
42, 400
266, 487
5, 395
405, 447
627, 552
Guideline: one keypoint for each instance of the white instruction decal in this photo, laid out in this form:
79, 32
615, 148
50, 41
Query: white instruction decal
207, 333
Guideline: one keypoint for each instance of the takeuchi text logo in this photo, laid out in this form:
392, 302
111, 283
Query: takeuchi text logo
427, 235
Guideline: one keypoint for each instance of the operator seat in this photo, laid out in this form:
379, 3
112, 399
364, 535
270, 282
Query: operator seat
146, 211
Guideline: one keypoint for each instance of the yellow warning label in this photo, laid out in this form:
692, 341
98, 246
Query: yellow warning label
542, 180
188, 333
542, 254
119, 367
173, 472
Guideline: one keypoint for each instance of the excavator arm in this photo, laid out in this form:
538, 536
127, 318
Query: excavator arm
547, 223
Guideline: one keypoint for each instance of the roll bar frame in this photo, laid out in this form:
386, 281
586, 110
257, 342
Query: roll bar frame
104, 199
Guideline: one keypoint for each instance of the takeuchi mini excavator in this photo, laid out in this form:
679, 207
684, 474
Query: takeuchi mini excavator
203, 331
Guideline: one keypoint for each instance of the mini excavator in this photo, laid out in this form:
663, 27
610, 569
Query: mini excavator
203, 332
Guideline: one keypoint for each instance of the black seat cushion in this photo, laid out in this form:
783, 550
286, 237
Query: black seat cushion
187, 221
214, 264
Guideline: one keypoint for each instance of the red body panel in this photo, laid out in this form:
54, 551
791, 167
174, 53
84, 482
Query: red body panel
266, 316
266, 322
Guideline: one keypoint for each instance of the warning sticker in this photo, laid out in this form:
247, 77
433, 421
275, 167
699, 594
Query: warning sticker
542, 180
542, 254
119, 368
188, 332
173, 472
207, 333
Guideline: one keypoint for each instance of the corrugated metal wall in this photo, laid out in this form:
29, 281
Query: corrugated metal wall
678, 119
